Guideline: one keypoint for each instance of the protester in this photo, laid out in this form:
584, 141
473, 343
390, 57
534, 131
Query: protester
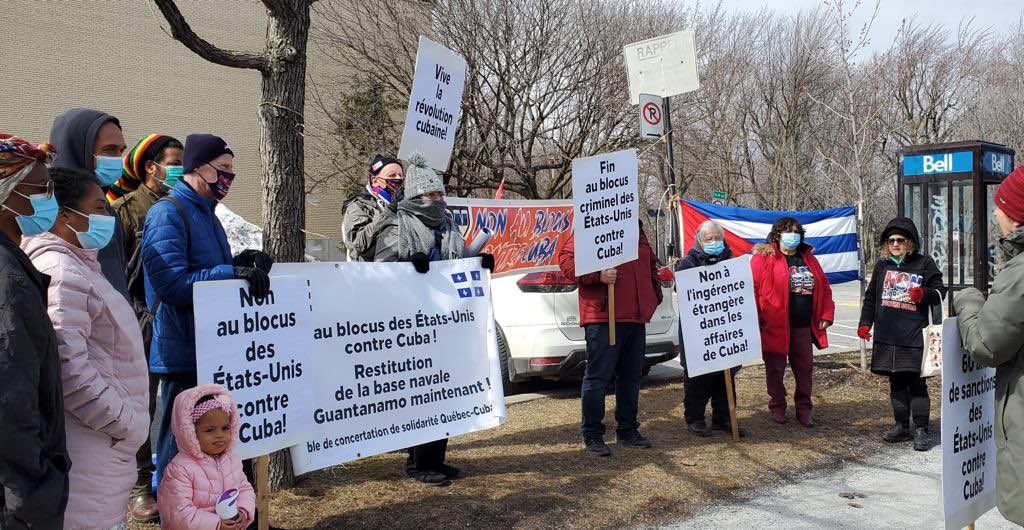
183, 242
151, 169
92, 141
904, 285
992, 331
637, 295
421, 232
709, 248
103, 369
795, 307
34, 461
365, 213
206, 427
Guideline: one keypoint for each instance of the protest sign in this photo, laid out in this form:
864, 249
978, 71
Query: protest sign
605, 205
259, 349
718, 316
968, 423
435, 104
402, 358
525, 235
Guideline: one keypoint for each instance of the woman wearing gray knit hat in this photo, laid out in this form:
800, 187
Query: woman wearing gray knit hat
420, 232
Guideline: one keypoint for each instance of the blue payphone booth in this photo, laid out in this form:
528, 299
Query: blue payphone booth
947, 190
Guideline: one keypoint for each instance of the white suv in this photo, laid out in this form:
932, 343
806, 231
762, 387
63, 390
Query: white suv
539, 333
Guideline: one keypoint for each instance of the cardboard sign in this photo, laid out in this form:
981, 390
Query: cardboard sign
718, 315
606, 222
259, 350
435, 104
968, 433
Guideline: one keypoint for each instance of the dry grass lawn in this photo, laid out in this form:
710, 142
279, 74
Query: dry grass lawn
533, 473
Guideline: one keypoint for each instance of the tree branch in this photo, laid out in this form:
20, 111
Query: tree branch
183, 33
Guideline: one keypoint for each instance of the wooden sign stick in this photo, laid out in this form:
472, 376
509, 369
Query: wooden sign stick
732, 405
263, 491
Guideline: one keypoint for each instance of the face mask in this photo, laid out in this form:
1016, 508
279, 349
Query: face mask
101, 230
108, 169
384, 193
44, 213
713, 248
790, 240
172, 175
220, 187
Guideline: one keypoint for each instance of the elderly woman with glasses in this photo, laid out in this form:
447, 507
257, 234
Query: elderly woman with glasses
903, 286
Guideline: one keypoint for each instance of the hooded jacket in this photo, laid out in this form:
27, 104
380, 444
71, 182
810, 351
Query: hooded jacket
696, 257
637, 290
887, 305
73, 135
34, 460
992, 331
194, 480
174, 260
104, 377
771, 293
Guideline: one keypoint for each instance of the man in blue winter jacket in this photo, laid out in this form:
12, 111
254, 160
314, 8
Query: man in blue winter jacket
183, 243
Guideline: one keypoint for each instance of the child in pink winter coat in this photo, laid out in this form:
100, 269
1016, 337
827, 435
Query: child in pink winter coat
205, 425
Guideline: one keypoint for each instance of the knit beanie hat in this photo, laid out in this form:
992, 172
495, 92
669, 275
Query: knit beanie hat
202, 148
1010, 195
133, 170
380, 161
420, 178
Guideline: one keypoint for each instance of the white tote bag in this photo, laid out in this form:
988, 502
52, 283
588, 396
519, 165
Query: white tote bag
931, 357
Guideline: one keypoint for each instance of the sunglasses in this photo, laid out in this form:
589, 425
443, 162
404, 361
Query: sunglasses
897, 240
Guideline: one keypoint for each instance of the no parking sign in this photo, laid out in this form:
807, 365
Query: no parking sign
652, 123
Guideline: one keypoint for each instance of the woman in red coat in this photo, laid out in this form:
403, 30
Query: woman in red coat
794, 304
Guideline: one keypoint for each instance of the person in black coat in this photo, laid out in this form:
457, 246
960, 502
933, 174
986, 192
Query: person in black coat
709, 248
904, 286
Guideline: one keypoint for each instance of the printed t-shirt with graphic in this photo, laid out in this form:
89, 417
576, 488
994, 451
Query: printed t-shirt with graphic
801, 292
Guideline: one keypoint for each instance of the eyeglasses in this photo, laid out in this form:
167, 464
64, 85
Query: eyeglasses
897, 240
49, 187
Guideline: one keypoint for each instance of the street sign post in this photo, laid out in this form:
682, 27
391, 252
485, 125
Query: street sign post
719, 197
663, 66
652, 123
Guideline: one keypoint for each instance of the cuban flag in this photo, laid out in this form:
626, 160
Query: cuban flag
832, 233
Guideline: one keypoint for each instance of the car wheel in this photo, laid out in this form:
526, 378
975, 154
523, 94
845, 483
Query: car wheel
503, 359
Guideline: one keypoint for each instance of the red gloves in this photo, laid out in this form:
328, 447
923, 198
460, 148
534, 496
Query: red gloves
864, 332
916, 294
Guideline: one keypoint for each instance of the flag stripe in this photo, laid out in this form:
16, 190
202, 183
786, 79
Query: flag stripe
723, 213
825, 245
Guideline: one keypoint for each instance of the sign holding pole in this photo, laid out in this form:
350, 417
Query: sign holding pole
435, 104
606, 222
652, 124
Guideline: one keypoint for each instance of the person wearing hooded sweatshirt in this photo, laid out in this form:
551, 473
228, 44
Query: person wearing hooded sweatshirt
992, 330
709, 248
103, 370
904, 285
420, 232
206, 425
92, 141
365, 213
794, 307
152, 168
34, 460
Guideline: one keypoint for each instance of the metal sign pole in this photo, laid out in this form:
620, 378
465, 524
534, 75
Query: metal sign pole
670, 174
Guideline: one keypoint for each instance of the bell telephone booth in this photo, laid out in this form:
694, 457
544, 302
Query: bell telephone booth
947, 189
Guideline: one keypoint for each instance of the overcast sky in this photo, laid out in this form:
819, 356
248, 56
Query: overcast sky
998, 15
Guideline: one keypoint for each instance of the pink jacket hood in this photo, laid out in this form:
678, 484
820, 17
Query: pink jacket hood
36, 245
184, 428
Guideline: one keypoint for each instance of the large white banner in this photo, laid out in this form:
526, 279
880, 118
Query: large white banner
968, 441
606, 222
718, 316
435, 104
259, 349
402, 358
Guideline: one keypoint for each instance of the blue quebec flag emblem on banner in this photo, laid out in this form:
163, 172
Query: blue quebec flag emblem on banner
467, 290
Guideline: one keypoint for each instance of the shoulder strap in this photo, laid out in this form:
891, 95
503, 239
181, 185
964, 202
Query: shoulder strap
937, 313
188, 244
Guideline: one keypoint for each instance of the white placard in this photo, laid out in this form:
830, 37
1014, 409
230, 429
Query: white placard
435, 104
652, 117
260, 351
606, 222
718, 316
968, 433
662, 66
403, 358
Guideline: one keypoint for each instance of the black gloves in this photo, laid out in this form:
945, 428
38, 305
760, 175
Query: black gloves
487, 261
253, 258
421, 261
259, 282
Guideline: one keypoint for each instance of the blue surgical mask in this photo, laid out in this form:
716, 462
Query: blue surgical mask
44, 213
789, 240
713, 248
101, 230
173, 175
108, 169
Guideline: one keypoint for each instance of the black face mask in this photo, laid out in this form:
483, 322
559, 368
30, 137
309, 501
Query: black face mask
222, 185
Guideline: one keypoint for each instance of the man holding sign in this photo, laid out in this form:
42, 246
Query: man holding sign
616, 270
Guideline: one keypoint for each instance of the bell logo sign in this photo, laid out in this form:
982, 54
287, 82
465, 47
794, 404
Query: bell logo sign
958, 162
937, 164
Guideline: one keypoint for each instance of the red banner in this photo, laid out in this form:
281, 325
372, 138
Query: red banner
525, 235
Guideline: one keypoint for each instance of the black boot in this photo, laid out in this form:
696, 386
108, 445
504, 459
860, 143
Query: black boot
727, 428
699, 428
922, 442
898, 433
595, 445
